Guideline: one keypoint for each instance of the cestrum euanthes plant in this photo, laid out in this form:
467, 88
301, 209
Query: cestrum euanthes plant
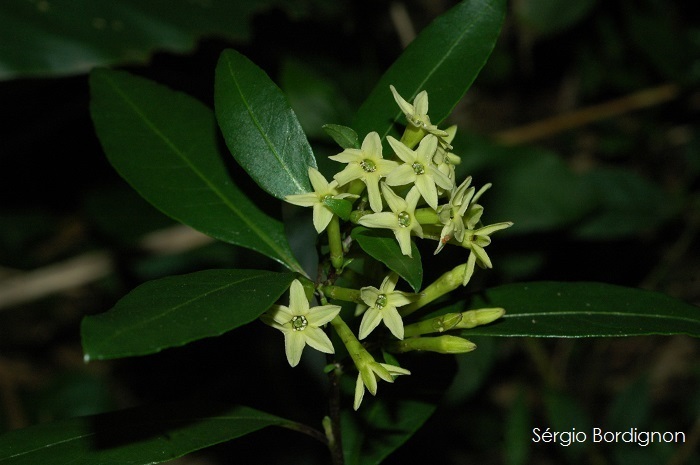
409, 191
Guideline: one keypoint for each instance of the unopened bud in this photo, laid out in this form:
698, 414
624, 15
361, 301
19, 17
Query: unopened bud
441, 344
483, 316
438, 324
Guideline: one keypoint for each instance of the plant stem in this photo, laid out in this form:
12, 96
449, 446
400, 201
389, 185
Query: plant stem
448, 282
335, 243
341, 293
335, 442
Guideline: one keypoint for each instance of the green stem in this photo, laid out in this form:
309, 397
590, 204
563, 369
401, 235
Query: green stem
427, 216
335, 243
341, 293
412, 135
358, 353
448, 282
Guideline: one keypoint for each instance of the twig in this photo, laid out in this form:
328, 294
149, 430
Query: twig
89, 267
560, 123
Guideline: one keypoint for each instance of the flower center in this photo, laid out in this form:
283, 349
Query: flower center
326, 197
368, 165
404, 219
418, 168
299, 323
380, 302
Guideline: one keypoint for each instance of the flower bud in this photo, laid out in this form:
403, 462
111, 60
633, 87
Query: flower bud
483, 316
441, 344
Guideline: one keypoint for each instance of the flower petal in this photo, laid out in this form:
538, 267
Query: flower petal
370, 320
401, 151
375, 198
440, 178
404, 174
393, 321
298, 303
294, 343
389, 283
350, 173
372, 145
369, 295
399, 298
420, 104
396, 203
302, 200
359, 392
385, 220
319, 316
406, 107
403, 236
469, 270
322, 216
316, 338
280, 314
426, 187
348, 156
318, 182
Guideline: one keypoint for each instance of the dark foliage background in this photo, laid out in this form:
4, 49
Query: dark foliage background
608, 192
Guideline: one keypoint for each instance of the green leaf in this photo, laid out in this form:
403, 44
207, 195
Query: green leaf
132, 437
260, 128
60, 37
173, 311
382, 246
340, 207
164, 143
557, 309
344, 136
443, 60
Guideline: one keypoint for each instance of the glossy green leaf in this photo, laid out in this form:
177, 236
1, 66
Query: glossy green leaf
344, 136
443, 60
340, 207
173, 311
59, 37
140, 436
260, 128
585, 309
382, 246
164, 143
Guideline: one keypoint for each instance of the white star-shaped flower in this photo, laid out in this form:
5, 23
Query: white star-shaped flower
419, 169
300, 324
382, 306
367, 165
401, 220
322, 190
417, 114
367, 377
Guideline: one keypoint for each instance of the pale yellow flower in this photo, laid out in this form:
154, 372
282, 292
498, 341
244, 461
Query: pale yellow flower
417, 114
367, 165
419, 169
401, 220
367, 377
322, 190
382, 304
300, 324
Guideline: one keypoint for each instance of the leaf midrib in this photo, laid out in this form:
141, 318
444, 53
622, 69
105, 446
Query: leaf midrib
289, 261
432, 71
260, 129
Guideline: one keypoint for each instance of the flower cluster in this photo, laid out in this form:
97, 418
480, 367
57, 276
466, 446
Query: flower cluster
412, 192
